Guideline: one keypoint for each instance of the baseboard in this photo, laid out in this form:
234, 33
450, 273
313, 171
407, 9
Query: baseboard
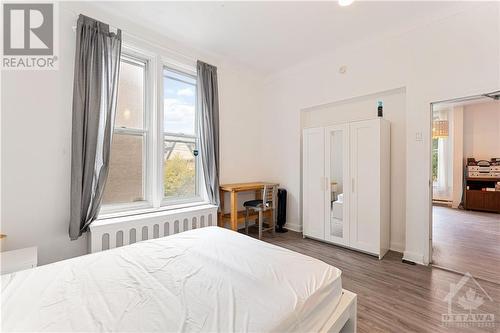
290, 226
294, 227
415, 257
397, 247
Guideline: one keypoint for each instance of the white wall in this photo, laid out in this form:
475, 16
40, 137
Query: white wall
482, 130
36, 136
365, 107
453, 56
240, 132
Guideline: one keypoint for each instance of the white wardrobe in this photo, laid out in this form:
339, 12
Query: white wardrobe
346, 185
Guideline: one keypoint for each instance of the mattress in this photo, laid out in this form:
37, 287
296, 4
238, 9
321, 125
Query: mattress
208, 279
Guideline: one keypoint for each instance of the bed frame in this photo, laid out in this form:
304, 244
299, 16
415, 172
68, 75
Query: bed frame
345, 317
114, 232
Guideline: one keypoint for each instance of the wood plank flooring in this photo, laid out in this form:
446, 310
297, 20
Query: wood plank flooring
467, 241
393, 296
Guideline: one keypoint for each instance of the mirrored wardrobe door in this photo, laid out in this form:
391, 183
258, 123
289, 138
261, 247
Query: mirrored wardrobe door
337, 198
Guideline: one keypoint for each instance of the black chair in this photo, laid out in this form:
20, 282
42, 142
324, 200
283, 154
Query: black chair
268, 202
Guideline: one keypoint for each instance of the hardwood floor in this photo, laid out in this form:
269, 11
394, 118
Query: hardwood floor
467, 241
393, 296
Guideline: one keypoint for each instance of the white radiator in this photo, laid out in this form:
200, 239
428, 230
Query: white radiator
115, 232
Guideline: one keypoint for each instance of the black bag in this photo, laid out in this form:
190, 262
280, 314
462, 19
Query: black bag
281, 216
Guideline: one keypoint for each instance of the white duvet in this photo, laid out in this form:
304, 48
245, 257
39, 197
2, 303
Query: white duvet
209, 279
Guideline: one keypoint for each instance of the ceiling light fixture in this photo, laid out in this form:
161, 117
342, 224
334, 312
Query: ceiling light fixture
345, 3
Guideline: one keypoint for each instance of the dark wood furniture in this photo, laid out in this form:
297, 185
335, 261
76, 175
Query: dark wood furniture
477, 199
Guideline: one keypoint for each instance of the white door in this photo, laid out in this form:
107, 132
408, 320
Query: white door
338, 185
365, 185
313, 182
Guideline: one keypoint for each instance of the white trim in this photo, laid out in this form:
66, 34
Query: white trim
158, 125
188, 70
134, 55
415, 257
130, 131
150, 119
293, 227
141, 210
181, 201
153, 138
123, 208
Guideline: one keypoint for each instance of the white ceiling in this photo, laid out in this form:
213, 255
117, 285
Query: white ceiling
270, 36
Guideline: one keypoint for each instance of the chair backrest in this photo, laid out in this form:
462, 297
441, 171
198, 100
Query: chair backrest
269, 194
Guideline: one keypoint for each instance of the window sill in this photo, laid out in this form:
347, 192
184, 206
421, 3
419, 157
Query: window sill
141, 213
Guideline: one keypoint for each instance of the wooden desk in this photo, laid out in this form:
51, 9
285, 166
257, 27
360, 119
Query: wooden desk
236, 216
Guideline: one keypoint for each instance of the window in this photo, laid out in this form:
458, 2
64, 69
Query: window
442, 155
180, 167
127, 178
153, 161
435, 155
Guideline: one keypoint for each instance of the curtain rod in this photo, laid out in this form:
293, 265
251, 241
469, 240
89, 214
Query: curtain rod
142, 39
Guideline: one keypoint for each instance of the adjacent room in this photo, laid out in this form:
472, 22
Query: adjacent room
250, 166
466, 185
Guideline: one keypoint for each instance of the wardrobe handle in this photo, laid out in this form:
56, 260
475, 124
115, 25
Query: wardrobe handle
352, 185
326, 184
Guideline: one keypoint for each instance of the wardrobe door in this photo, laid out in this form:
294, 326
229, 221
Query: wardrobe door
337, 194
365, 185
313, 182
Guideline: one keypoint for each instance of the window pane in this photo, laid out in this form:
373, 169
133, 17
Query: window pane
125, 178
179, 167
130, 105
179, 164
179, 102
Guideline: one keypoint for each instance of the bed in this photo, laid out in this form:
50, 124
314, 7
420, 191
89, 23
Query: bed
204, 280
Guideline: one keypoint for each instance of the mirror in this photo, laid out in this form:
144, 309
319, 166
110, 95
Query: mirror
337, 185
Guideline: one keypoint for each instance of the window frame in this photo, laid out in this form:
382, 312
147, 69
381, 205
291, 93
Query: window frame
198, 197
153, 151
133, 56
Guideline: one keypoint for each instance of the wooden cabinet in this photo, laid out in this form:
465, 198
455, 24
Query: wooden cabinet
477, 199
346, 185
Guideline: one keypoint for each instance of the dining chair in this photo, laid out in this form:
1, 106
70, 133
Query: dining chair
268, 202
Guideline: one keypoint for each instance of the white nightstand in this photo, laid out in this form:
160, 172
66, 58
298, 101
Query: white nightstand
18, 260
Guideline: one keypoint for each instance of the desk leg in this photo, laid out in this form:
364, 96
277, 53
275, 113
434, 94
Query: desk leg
220, 220
234, 210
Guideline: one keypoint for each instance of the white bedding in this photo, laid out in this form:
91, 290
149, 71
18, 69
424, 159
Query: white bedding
209, 279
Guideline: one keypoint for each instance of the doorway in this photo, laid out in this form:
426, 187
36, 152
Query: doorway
465, 167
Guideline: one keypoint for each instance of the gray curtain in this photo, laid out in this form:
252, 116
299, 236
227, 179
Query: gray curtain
208, 127
97, 61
